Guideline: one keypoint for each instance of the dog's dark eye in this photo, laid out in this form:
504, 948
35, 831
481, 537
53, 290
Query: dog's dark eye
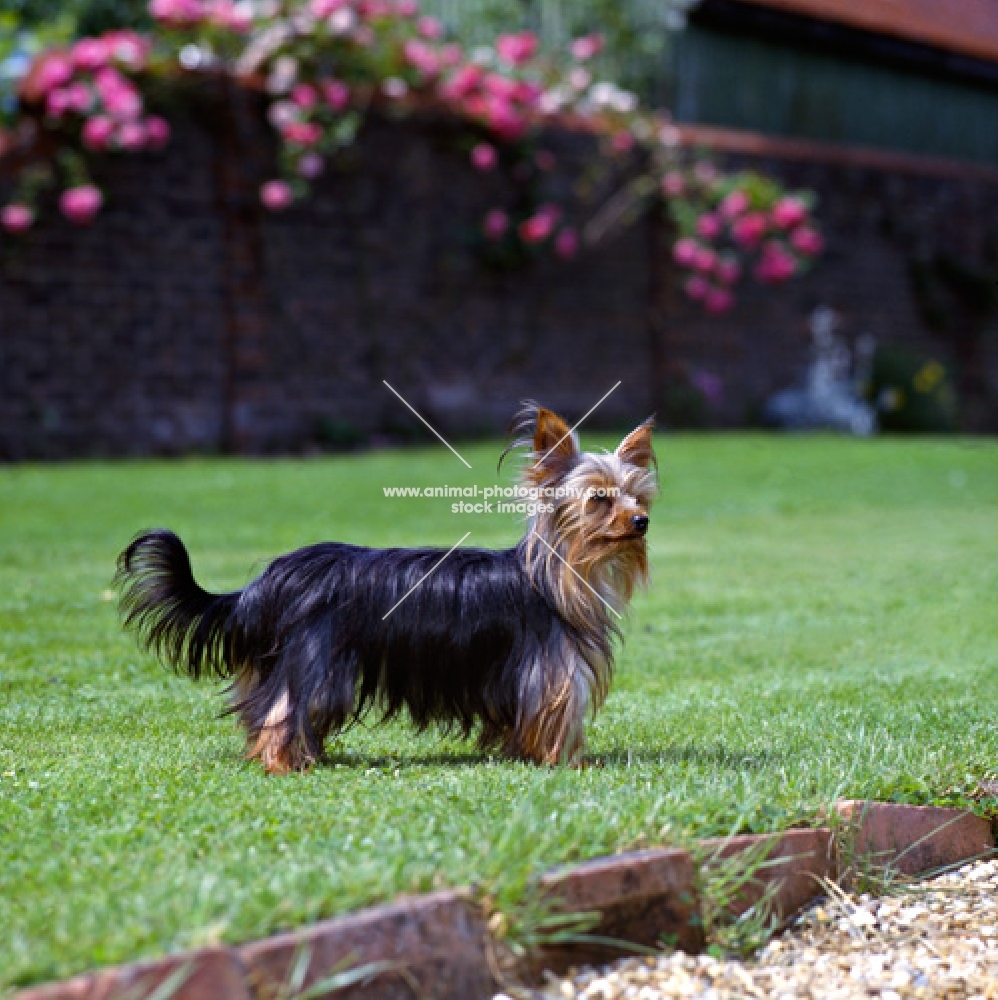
596, 498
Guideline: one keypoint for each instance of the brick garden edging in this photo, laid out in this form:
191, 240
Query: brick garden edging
438, 946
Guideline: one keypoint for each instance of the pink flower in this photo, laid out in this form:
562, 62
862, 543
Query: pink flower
789, 212
16, 218
462, 83
728, 270
51, 71
302, 133
708, 226
123, 104
57, 102
430, 27
90, 53
80, 204
305, 96
504, 120
718, 300
684, 253
311, 166
450, 54
496, 223
97, 132
128, 48
323, 8
696, 287
157, 131
807, 241
407, 8
276, 195
483, 156
586, 47
566, 243
775, 264
501, 87
540, 225
705, 260
226, 14
673, 184
622, 142
517, 49
336, 93
177, 13
734, 204
132, 136
421, 56
749, 229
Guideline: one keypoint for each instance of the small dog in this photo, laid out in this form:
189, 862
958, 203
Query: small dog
517, 642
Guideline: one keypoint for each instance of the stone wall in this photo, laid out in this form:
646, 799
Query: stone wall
186, 318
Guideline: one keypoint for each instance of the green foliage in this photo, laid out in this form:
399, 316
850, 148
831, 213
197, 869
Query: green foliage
820, 624
912, 393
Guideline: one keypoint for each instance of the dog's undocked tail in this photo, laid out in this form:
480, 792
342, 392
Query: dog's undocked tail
185, 625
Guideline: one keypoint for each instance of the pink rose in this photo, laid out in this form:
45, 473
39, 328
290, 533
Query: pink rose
52, 70
540, 225
157, 131
749, 229
127, 47
587, 47
57, 102
566, 244
775, 264
81, 204
462, 83
90, 53
789, 212
97, 132
673, 184
496, 223
79, 98
622, 142
705, 260
302, 133
323, 8
517, 49
807, 241
276, 195
407, 8
718, 300
734, 204
483, 156
177, 13
504, 120
132, 136
336, 93
305, 96
696, 287
708, 226
421, 56
16, 218
430, 27
684, 253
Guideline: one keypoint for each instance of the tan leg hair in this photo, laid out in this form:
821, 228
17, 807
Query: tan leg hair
274, 745
556, 734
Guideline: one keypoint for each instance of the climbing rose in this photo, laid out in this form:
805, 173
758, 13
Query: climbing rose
718, 300
516, 49
336, 93
708, 226
685, 251
789, 212
696, 287
276, 195
673, 184
430, 27
483, 156
90, 53
80, 204
566, 244
16, 218
734, 204
749, 229
807, 241
586, 47
157, 131
97, 132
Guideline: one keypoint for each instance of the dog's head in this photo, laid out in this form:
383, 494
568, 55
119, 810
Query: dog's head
592, 508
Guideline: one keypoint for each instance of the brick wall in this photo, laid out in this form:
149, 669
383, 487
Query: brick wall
186, 318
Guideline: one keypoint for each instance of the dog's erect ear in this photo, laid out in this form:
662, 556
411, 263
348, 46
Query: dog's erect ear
636, 448
555, 445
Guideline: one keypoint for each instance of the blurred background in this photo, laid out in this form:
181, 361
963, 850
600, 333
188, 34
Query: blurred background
187, 319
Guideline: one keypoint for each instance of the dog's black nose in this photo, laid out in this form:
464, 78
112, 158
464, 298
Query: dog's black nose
640, 522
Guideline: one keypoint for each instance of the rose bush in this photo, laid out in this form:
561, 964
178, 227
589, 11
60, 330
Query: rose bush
324, 63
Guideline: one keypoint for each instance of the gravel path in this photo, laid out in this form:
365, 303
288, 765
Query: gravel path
936, 939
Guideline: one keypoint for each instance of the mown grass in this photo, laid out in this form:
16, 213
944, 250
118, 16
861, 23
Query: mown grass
822, 622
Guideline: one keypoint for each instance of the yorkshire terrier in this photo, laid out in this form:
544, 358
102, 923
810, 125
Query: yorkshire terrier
517, 642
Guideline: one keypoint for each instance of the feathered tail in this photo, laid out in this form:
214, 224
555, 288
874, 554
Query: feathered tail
186, 626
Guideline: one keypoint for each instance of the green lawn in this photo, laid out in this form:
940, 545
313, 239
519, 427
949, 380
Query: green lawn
822, 622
